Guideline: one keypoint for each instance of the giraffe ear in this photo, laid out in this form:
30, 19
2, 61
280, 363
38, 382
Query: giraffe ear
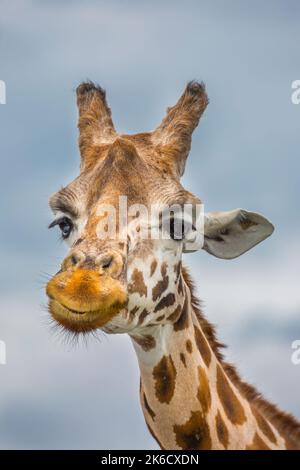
174, 135
94, 122
228, 235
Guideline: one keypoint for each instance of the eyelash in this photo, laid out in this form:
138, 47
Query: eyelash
61, 222
183, 226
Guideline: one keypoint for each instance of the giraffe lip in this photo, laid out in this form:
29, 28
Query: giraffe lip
82, 321
74, 311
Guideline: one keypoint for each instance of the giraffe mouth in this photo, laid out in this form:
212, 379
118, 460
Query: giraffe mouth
76, 312
81, 322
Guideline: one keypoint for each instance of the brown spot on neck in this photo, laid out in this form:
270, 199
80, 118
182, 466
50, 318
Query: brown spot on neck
264, 426
257, 444
203, 394
182, 358
165, 302
175, 315
162, 285
137, 283
203, 346
189, 346
222, 430
133, 312
183, 320
194, 434
291, 444
180, 286
142, 316
153, 267
231, 404
164, 375
146, 342
160, 318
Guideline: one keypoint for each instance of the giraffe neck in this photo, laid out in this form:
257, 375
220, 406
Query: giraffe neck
188, 399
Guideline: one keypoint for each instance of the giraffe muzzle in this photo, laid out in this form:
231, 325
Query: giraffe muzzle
85, 299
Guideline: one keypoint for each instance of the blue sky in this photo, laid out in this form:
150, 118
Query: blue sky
245, 153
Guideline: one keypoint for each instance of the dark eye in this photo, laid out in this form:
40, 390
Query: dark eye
65, 224
179, 228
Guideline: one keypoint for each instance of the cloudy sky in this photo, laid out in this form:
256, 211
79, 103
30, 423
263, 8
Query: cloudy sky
245, 154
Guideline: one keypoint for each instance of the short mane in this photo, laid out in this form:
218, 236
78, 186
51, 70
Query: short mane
285, 423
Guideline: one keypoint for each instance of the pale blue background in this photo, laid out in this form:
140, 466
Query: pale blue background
245, 154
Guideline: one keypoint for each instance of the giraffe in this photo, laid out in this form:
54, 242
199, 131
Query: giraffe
191, 397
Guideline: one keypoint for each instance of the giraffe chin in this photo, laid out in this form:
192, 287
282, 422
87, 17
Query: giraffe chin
83, 322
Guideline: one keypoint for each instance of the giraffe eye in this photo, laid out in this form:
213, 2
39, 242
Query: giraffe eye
179, 228
65, 224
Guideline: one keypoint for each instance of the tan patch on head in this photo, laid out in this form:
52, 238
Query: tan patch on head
164, 374
183, 320
146, 342
257, 444
264, 426
203, 393
194, 434
203, 346
148, 408
231, 404
189, 346
137, 283
166, 301
222, 430
162, 285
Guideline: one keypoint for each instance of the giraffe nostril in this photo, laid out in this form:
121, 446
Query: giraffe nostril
74, 260
110, 263
106, 262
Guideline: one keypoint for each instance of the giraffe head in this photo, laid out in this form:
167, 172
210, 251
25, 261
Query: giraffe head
118, 276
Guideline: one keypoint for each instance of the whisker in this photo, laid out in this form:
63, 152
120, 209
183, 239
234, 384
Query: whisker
68, 338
